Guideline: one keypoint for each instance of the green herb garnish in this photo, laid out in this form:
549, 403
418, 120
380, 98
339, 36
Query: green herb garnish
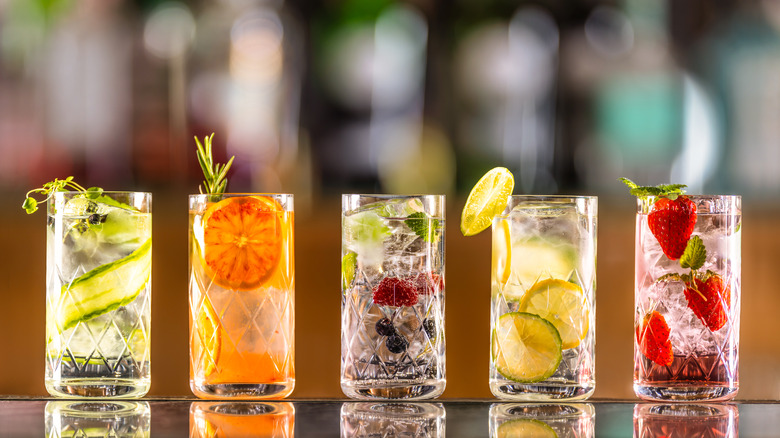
30, 204
215, 175
671, 191
423, 226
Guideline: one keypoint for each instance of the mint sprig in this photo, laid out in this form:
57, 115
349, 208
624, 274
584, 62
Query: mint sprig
671, 191
30, 204
423, 226
214, 175
695, 254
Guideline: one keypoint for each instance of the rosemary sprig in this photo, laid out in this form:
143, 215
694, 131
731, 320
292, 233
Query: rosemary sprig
215, 175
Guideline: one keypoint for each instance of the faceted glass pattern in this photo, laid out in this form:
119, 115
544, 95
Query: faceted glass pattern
686, 420
385, 420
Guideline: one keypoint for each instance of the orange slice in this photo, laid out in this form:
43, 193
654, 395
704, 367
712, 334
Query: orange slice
242, 241
210, 337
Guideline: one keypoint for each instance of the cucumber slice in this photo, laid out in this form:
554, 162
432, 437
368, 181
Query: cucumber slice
104, 288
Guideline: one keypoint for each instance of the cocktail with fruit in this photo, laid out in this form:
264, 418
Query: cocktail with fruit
98, 290
241, 290
392, 305
687, 295
543, 287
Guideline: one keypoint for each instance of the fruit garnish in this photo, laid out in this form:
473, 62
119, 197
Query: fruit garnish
423, 226
672, 217
242, 241
525, 428
396, 343
104, 288
526, 347
502, 252
652, 336
210, 337
30, 204
561, 303
394, 291
709, 299
384, 327
429, 326
538, 258
348, 269
214, 175
428, 283
486, 200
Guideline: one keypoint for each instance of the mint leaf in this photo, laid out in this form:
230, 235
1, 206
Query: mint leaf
423, 226
671, 191
30, 205
695, 254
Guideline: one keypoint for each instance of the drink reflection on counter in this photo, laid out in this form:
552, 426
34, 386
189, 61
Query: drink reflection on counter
240, 419
547, 419
685, 420
359, 420
118, 419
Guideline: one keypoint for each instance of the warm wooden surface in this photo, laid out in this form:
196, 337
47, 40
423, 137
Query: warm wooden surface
318, 239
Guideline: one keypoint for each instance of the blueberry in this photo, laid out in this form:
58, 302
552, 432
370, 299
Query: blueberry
384, 327
429, 326
397, 343
94, 219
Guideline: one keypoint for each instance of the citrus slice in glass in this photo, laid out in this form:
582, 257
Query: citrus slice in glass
348, 269
539, 258
502, 251
525, 428
561, 303
487, 200
526, 348
242, 241
210, 337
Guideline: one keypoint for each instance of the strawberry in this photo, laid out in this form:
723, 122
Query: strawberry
671, 222
710, 300
653, 339
394, 291
672, 217
428, 283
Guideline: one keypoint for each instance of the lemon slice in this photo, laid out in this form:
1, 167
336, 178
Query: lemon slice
526, 348
538, 258
561, 303
525, 428
348, 268
210, 335
487, 200
502, 251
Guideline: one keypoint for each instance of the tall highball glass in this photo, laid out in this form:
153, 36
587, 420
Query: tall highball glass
98, 294
543, 298
242, 283
392, 296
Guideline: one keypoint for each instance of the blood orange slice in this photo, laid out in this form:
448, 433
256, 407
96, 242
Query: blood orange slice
242, 239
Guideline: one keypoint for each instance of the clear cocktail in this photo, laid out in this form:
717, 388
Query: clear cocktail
98, 294
392, 305
543, 298
553, 420
242, 286
687, 297
108, 418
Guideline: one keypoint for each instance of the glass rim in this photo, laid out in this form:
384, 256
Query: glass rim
698, 197
553, 197
109, 192
389, 196
234, 194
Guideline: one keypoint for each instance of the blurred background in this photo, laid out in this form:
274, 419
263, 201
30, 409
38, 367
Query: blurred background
319, 98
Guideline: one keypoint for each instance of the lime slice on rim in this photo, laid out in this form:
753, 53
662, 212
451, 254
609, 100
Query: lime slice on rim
561, 303
104, 288
487, 200
525, 428
526, 347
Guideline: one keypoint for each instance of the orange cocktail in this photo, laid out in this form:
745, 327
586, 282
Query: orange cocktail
239, 419
241, 296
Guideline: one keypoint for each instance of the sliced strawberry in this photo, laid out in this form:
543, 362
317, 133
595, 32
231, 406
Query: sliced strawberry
710, 300
428, 283
394, 291
671, 222
653, 339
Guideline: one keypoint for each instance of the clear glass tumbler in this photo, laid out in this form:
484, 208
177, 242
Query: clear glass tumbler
543, 298
542, 420
368, 420
109, 419
686, 420
242, 419
242, 283
98, 294
686, 343
392, 296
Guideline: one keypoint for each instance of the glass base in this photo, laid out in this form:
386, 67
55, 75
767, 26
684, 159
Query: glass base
393, 390
243, 391
540, 391
685, 392
98, 388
